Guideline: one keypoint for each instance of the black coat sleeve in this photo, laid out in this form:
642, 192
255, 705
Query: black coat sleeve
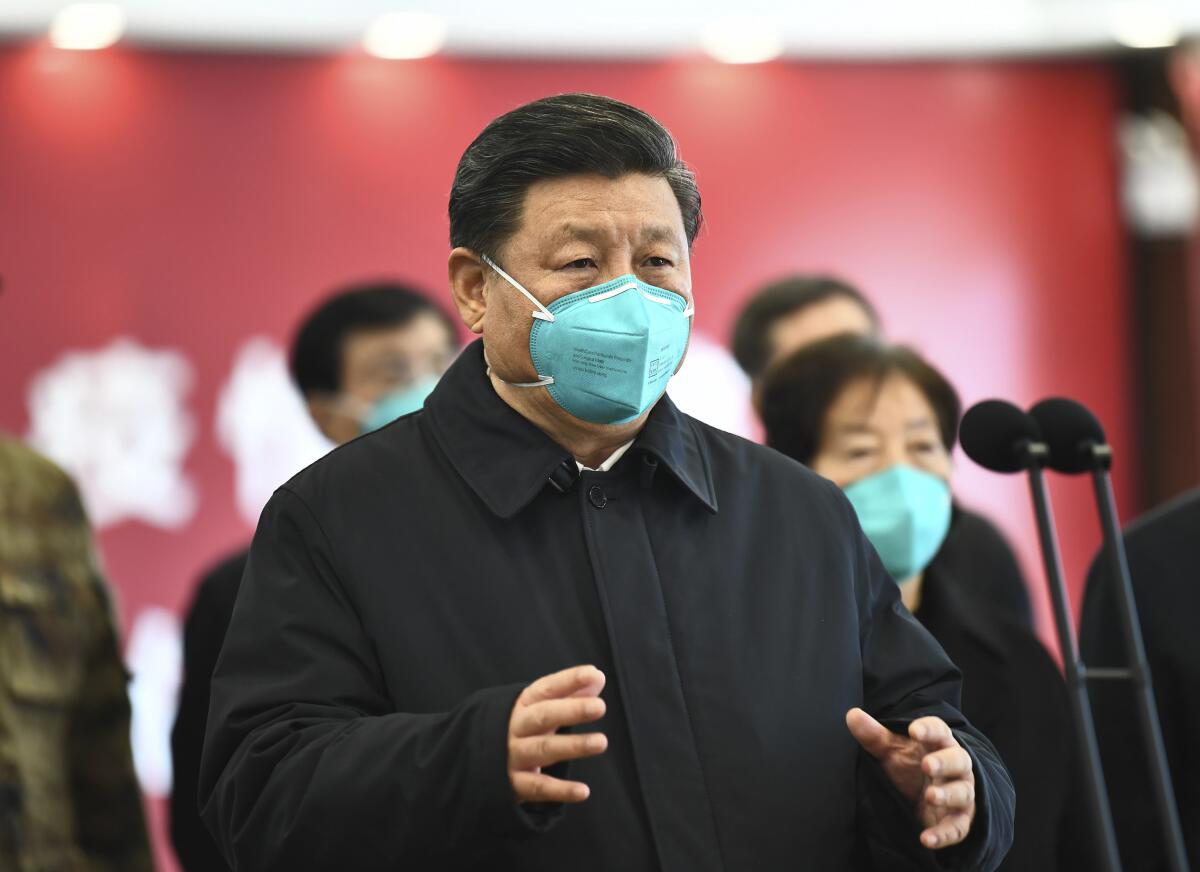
907, 675
307, 764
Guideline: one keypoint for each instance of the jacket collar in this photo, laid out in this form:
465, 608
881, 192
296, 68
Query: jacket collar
672, 437
507, 460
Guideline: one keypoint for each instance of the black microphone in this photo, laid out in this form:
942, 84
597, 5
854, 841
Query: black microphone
1073, 435
999, 436
1077, 444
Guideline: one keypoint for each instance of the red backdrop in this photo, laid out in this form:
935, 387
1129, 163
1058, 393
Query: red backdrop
190, 201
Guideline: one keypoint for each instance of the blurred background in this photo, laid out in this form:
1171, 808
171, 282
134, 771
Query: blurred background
1012, 182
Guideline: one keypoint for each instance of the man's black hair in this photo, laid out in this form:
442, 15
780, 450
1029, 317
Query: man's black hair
316, 357
798, 392
752, 331
553, 137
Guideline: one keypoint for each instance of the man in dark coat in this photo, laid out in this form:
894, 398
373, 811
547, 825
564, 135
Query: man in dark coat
552, 622
365, 354
1164, 555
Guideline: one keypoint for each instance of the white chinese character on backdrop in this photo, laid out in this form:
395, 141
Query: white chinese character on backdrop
115, 420
154, 656
264, 425
712, 387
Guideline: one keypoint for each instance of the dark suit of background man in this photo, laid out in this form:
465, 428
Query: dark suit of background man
795, 312
366, 355
1164, 565
551, 622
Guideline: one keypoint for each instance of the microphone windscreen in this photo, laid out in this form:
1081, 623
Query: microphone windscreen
992, 433
1067, 427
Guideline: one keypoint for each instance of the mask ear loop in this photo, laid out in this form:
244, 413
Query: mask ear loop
543, 314
540, 383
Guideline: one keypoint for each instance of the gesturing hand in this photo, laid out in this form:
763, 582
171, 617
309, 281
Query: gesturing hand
929, 767
564, 699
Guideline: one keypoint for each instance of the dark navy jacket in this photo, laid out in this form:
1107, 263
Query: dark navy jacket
403, 590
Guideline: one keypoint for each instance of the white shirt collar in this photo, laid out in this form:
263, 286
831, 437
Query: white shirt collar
608, 464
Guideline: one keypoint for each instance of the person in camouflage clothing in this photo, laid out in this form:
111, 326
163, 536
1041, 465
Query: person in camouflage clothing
69, 800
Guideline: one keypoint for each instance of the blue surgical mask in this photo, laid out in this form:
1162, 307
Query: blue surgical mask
397, 404
905, 513
606, 353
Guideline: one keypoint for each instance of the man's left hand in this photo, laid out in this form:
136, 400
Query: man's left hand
929, 767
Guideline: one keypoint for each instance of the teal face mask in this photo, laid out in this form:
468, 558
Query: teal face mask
606, 353
397, 404
906, 515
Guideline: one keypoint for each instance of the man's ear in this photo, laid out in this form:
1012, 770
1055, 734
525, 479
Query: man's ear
468, 280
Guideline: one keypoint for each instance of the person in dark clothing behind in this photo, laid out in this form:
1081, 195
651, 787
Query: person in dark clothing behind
880, 422
789, 314
365, 356
551, 543
1164, 565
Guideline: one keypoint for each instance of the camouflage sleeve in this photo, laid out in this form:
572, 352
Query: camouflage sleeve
108, 803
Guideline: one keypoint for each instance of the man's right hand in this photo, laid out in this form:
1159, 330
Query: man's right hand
563, 699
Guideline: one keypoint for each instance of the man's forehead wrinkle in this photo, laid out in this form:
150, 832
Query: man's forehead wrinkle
854, 426
550, 204
660, 233
570, 229
534, 210
544, 215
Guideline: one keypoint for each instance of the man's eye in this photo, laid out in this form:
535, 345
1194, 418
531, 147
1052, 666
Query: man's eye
858, 453
658, 262
581, 263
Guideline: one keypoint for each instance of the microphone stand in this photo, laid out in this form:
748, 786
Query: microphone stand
1138, 671
1035, 455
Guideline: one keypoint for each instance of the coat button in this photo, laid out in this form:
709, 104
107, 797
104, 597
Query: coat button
597, 497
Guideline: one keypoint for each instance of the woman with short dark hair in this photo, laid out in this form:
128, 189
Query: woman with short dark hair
880, 422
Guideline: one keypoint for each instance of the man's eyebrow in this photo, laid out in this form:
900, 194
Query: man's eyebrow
919, 423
